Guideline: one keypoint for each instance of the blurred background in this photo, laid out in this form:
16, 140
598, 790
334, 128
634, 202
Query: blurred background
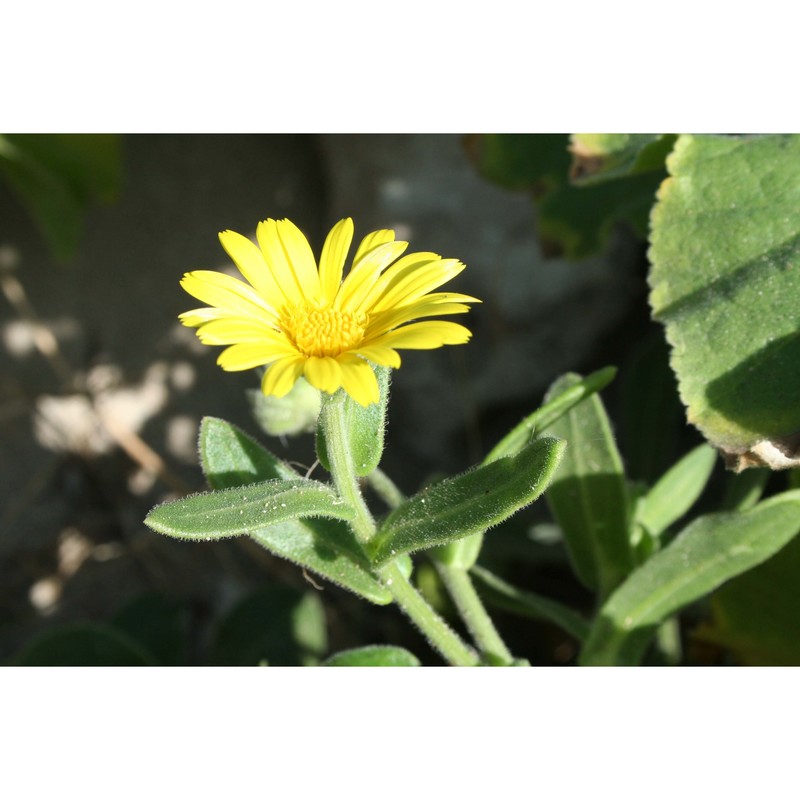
102, 391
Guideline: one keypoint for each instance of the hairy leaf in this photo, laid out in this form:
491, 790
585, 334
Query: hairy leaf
725, 280
589, 496
472, 502
710, 551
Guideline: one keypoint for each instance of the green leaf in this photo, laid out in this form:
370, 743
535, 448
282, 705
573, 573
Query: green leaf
375, 655
231, 458
755, 615
725, 280
589, 496
246, 510
472, 502
57, 176
744, 489
366, 427
84, 645
528, 604
463, 553
600, 157
677, 491
573, 221
711, 550
160, 624
522, 161
559, 402
278, 625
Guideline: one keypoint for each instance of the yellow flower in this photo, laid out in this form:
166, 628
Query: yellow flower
307, 322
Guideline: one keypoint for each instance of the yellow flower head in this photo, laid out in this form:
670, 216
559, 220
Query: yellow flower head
309, 322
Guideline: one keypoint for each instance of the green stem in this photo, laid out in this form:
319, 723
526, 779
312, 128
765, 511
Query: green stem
334, 426
340, 457
474, 614
435, 629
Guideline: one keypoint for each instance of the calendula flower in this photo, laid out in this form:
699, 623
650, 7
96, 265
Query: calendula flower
304, 321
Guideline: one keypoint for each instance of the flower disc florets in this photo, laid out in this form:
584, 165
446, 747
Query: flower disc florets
302, 321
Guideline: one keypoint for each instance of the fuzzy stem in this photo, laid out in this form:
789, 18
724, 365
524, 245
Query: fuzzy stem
436, 630
474, 614
334, 426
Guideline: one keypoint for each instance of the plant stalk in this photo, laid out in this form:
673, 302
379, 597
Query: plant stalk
435, 629
474, 614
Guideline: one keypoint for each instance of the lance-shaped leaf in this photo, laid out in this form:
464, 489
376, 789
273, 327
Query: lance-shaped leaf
589, 497
365, 426
755, 615
677, 490
472, 502
559, 402
245, 510
231, 458
711, 550
373, 656
725, 280
327, 547
463, 554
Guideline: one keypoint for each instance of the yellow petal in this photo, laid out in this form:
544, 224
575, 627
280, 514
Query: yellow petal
363, 275
424, 336
323, 373
239, 357
250, 261
199, 316
384, 356
372, 240
231, 330
411, 285
331, 262
392, 318
358, 380
407, 265
275, 255
223, 291
282, 375
300, 257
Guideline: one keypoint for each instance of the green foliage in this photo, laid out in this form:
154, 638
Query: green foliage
365, 428
231, 458
589, 496
84, 645
57, 176
677, 490
558, 402
573, 221
711, 550
529, 604
472, 502
276, 626
725, 282
373, 656
601, 157
159, 624
463, 553
755, 615
246, 510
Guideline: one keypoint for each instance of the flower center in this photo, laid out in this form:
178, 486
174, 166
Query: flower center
325, 331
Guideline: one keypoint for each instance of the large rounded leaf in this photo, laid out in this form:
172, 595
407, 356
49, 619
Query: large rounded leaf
725, 281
